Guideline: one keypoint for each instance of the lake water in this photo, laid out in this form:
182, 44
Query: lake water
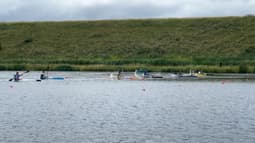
91, 108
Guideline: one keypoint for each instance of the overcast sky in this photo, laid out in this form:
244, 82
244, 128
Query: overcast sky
55, 10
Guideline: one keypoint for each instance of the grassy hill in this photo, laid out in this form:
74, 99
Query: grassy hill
210, 44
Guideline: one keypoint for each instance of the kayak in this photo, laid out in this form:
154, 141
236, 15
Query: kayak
116, 76
141, 74
24, 80
56, 78
188, 76
52, 78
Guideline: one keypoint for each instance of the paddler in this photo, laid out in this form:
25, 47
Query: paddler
17, 76
43, 76
119, 75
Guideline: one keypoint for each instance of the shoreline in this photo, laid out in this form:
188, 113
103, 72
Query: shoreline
129, 68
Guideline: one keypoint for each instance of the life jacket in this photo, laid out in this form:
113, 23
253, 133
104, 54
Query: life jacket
43, 76
16, 77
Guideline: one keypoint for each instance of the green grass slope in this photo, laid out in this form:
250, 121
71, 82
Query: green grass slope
229, 41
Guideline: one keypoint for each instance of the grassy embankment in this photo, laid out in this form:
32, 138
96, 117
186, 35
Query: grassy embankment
207, 44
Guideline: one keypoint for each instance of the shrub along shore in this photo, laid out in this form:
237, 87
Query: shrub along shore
215, 45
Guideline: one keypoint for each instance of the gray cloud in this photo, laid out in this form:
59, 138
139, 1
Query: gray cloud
48, 10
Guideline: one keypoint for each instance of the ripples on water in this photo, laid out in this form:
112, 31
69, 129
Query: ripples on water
103, 111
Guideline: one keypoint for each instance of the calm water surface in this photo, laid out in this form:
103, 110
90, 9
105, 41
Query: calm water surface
110, 111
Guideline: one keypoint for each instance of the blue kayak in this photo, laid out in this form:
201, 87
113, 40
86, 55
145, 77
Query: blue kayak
52, 78
57, 78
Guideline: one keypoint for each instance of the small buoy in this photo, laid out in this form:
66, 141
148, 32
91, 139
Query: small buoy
144, 89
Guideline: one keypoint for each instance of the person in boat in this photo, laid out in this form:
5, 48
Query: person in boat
43, 76
119, 75
17, 76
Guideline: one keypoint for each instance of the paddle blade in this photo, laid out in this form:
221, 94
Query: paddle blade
11, 79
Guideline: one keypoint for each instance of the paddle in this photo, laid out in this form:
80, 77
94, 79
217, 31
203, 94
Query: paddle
20, 75
48, 68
